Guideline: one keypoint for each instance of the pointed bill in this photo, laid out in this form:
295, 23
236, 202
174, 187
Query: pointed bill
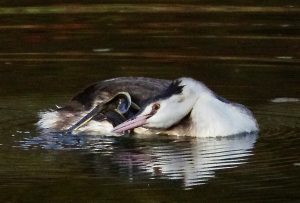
131, 124
123, 104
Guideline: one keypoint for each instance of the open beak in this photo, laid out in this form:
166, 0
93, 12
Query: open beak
131, 124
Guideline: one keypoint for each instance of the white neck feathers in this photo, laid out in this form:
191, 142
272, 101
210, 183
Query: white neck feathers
212, 117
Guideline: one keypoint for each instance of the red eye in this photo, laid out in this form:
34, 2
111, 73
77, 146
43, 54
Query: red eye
155, 107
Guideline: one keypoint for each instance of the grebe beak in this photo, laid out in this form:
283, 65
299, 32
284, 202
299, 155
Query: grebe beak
138, 121
120, 103
131, 124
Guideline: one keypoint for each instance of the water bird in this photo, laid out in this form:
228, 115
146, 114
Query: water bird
96, 109
183, 107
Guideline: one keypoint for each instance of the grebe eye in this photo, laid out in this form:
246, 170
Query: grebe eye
155, 107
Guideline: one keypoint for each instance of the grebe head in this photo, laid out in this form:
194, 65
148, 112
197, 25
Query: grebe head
166, 109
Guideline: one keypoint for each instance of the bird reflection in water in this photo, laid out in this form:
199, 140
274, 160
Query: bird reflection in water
194, 161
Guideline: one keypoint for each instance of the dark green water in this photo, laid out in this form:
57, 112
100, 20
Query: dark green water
247, 52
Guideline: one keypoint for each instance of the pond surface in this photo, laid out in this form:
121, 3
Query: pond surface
248, 53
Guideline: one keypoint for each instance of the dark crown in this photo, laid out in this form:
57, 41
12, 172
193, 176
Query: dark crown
174, 88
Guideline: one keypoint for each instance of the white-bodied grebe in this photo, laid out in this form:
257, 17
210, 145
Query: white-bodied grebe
183, 107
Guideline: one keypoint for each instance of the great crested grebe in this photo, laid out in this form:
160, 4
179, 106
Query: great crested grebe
183, 107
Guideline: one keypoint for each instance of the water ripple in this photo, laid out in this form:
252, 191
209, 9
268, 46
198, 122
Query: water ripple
193, 161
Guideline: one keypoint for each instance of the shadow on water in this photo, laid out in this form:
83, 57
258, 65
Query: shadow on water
192, 161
